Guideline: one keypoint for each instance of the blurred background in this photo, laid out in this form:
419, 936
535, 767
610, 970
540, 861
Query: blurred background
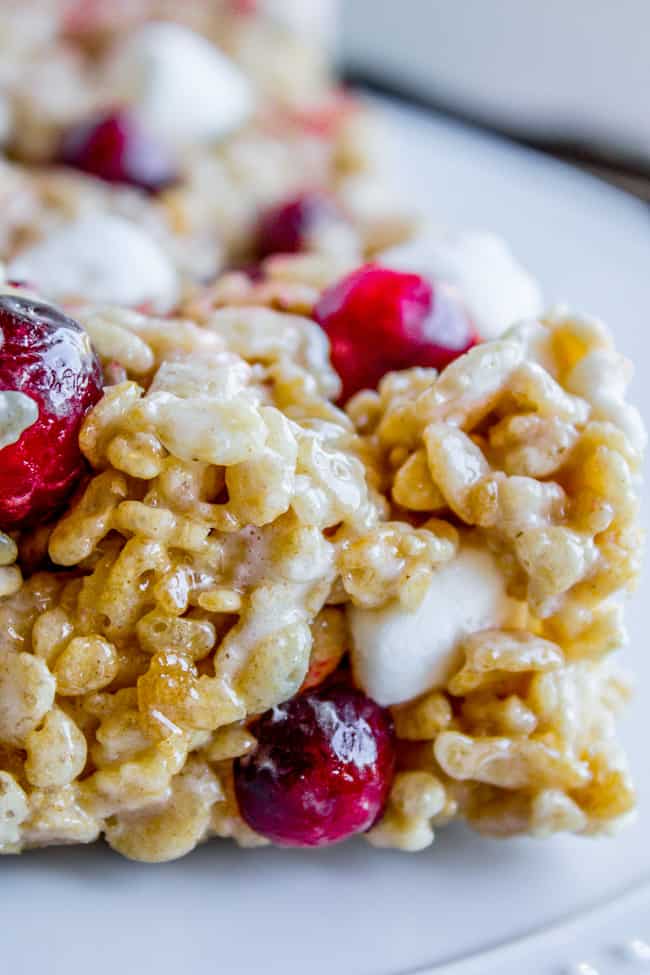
571, 76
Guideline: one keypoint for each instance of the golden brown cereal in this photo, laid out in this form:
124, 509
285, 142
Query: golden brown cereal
56, 752
423, 719
394, 560
171, 828
229, 742
231, 515
27, 691
519, 440
8, 550
87, 664
14, 810
415, 800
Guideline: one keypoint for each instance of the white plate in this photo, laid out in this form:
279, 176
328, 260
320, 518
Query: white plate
463, 56
466, 904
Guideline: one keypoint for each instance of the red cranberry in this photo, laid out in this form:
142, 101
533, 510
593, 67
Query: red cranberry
245, 8
252, 269
288, 227
379, 320
116, 148
322, 769
323, 120
47, 357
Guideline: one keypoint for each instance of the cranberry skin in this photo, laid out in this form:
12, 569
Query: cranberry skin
244, 8
48, 357
287, 228
379, 320
322, 770
116, 148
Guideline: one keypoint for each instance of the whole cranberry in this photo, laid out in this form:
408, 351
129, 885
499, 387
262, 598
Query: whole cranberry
322, 770
379, 320
117, 148
289, 227
49, 379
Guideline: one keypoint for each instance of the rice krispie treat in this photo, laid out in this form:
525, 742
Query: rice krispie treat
178, 138
307, 559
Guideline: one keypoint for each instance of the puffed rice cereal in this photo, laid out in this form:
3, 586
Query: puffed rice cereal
234, 526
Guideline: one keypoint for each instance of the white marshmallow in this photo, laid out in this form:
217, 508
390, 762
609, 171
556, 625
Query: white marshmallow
496, 289
17, 412
312, 18
181, 86
398, 655
102, 258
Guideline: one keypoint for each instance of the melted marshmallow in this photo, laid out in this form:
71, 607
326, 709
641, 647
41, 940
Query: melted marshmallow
17, 412
496, 289
101, 258
398, 655
602, 377
181, 86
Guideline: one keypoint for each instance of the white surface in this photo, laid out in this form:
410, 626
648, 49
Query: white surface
398, 654
355, 910
573, 69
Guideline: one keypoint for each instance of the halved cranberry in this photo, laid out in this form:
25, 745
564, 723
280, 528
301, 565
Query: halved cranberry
288, 227
322, 770
379, 320
46, 357
117, 148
